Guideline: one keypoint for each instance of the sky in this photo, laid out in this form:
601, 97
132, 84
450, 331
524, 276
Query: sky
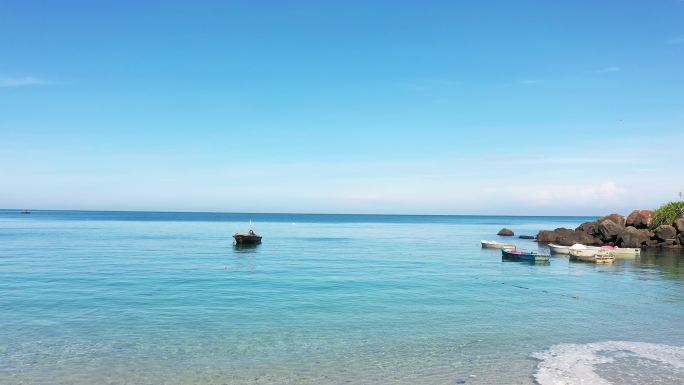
406, 107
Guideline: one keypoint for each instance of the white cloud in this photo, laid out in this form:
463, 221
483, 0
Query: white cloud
572, 194
609, 69
6, 82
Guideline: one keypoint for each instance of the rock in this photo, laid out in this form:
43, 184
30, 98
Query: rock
505, 232
608, 230
527, 237
680, 238
664, 232
640, 219
679, 225
548, 236
578, 237
617, 218
589, 228
630, 236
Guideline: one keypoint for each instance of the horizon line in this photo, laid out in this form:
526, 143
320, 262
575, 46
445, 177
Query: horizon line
294, 213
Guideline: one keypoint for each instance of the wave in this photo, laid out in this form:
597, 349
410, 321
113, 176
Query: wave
611, 363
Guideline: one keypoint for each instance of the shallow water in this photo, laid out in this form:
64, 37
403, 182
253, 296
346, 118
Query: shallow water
164, 298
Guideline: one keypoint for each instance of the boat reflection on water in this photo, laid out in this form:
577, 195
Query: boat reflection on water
245, 247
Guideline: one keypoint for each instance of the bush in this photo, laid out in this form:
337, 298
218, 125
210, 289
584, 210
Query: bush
668, 213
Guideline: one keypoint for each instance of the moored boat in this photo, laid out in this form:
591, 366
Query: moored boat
622, 251
598, 256
558, 249
251, 238
579, 250
496, 245
524, 255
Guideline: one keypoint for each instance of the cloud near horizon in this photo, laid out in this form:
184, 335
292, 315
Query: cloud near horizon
7, 82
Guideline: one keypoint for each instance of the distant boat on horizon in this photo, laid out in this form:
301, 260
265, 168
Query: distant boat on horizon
25, 211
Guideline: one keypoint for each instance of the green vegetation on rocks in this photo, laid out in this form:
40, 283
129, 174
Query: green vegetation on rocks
667, 214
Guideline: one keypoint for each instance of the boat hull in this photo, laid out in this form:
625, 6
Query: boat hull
247, 239
524, 256
496, 245
558, 249
596, 258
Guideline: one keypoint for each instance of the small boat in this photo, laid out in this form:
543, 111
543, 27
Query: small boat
579, 250
25, 211
621, 251
524, 255
251, 238
598, 256
496, 245
558, 249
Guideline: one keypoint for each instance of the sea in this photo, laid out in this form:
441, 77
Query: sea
166, 298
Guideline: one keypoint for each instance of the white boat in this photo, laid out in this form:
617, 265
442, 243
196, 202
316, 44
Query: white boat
599, 256
579, 250
622, 251
496, 245
558, 249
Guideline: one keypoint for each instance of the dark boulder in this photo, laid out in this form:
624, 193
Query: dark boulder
617, 218
608, 230
632, 237
527, 237
549, 236
641, 219
679, 225
680, 238
570, 239
665, 232
589, 228
505, 232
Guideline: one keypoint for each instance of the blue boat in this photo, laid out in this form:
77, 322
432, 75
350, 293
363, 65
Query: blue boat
531, 256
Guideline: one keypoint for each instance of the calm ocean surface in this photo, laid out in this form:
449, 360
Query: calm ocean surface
165, 298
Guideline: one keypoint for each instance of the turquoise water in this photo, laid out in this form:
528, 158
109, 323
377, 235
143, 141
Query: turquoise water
165, 298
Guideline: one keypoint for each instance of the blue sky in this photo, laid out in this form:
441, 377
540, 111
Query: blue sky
441, 107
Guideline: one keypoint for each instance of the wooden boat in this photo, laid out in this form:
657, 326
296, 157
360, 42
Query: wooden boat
598, 256
524, 255
558, 249
496, 245
251, 238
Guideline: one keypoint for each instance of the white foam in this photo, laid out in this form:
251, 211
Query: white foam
576, 364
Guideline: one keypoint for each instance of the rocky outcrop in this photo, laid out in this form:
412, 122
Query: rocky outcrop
527, 237
617, 218
548, 236
679, 226
608, 230
633, 237
505, 232
632, 231
578, 237
589, 228
640, 219
665, 232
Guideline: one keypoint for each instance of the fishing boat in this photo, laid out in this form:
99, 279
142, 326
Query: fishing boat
532, 256
558, 249
251, 238
598, 256
496, 245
